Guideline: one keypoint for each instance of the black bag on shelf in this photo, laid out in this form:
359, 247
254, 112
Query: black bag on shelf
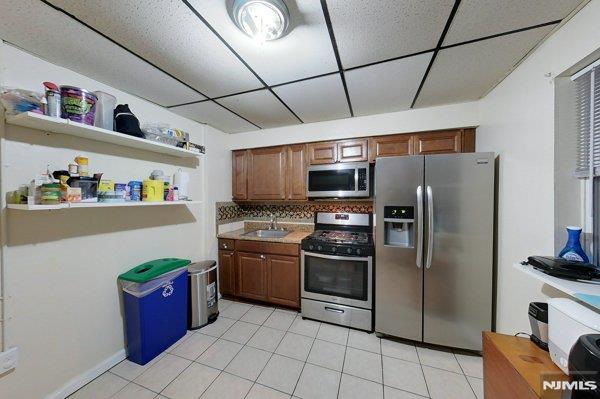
126, 122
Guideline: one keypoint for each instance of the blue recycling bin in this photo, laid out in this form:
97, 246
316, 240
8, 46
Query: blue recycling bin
155, 296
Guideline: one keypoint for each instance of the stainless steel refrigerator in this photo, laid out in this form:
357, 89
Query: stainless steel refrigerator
434, 247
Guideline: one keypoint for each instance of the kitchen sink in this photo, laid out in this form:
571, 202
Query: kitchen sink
267, 233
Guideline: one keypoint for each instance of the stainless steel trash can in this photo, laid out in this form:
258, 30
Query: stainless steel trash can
203, 300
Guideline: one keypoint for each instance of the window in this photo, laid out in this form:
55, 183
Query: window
587, 161
587, 86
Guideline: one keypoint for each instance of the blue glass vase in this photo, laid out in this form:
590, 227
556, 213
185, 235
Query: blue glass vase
573, 250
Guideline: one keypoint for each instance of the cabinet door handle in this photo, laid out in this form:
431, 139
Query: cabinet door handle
262, 256
224, 246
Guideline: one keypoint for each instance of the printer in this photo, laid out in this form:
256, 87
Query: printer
567, 321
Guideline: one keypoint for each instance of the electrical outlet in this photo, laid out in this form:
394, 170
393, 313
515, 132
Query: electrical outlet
9, 359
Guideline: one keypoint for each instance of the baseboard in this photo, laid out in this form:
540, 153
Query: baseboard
82, 379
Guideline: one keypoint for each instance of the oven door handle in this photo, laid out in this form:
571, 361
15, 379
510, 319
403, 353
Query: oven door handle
334, 257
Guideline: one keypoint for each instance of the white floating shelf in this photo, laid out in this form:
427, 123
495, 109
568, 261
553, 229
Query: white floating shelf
64, 126
585, 291
74, 205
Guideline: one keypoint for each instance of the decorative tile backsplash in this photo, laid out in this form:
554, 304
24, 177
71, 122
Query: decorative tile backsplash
231, 211
228, 211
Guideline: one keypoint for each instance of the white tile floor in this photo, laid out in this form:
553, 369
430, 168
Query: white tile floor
256, 352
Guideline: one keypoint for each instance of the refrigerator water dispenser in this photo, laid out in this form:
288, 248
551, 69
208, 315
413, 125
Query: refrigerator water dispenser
399, 226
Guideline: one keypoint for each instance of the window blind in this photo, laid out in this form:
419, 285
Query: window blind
587, 109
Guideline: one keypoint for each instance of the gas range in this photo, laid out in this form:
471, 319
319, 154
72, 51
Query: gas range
337, 270
342, 242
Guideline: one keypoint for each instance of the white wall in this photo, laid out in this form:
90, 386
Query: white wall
517, 122
218, 184
447, 116
61, 267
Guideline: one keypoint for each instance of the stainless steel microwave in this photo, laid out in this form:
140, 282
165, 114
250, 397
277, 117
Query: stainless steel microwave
338, 180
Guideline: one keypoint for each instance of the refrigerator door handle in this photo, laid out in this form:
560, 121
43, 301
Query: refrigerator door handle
429, 227
419, 227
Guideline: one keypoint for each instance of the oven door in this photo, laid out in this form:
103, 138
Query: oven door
338, 180
343, 280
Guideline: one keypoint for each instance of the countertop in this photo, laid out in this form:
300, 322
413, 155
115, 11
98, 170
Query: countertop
293, 238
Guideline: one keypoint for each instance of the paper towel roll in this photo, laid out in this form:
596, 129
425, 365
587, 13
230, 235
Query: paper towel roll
181, 180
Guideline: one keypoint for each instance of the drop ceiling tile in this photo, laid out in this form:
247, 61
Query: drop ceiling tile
386, 87
214, 115
304, 51
168, 34
317, 99
41, 30
479, 18
261, 107
370, 31
468, 72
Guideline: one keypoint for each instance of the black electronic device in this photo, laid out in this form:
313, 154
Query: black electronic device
563, 268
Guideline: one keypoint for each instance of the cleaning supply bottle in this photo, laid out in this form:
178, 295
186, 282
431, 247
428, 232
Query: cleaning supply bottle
573, 250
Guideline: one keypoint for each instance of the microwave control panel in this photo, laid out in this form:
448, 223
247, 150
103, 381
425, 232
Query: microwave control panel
362, 179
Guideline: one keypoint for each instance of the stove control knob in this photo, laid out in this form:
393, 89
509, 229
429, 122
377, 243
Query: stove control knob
349, 250
358, 251
311, 247
333, 249
319, 248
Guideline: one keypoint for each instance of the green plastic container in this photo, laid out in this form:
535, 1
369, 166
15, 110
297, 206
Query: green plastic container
153, 269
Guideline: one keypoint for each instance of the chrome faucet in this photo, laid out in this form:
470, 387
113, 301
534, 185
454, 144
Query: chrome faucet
273, 222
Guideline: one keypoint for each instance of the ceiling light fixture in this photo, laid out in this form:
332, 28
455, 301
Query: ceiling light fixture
262, 20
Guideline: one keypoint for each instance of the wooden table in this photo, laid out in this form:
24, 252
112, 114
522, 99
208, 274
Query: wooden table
514, 367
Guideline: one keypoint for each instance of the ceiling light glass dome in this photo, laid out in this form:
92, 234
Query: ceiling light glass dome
262, 20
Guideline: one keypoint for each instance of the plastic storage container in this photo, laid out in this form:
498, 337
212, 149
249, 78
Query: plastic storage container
153, 191
50, 193
105, 108
77, 104
155, 296
203, 304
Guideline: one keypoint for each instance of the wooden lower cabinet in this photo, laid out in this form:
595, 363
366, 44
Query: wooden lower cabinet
227, 272
251, 276
261, 271
283, 280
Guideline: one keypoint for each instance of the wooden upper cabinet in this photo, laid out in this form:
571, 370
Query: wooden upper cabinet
322, 153
442, 142
239, 174
251, 276
283, 280
296, 172
267, 173
352, 150
338, 151
389, 146
280, 173
468, 140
